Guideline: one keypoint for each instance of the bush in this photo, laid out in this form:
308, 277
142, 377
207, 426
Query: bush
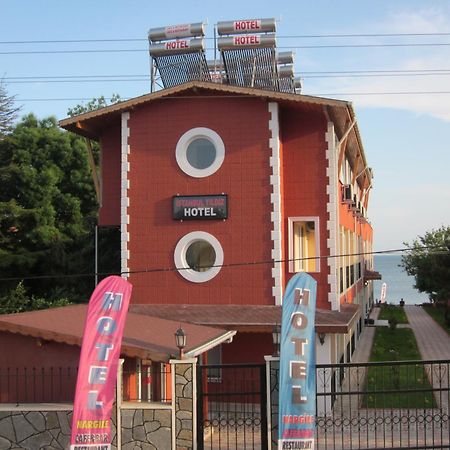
393, 322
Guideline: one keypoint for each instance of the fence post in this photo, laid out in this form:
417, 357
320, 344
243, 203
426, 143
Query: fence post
184, 411
272, 377
119, 397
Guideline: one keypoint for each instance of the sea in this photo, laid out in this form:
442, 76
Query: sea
398, 283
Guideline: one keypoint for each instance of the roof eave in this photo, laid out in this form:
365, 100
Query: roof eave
226, 337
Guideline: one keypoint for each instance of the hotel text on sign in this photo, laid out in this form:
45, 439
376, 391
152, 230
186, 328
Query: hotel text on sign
200, 207
297, 402
99, 358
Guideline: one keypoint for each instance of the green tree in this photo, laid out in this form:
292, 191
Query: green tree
47, 210
17, 300
429, 262
8, 111
95, 103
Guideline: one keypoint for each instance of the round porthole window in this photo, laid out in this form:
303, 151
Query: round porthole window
200, 152
198, 256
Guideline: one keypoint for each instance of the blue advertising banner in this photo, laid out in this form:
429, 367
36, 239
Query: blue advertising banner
297, 402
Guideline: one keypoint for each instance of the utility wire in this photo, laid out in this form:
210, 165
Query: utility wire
330, 94
134, 50
308, 73
147, 78
304, 36
231, 265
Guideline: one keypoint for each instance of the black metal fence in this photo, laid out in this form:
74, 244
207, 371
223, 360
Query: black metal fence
150, 383
389, 405
232, 407
37, 384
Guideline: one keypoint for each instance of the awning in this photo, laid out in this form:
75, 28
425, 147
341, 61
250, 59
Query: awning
145, 337
370, 275
248, 318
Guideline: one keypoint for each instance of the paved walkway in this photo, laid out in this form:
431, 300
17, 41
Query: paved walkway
359, 427
362, 352
433, 341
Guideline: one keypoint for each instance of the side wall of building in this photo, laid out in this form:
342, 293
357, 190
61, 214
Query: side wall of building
305, 182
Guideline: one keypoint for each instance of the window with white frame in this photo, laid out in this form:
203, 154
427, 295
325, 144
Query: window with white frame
198, 256
200, 152
304, 244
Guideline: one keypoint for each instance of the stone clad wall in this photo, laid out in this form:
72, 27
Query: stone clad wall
149, 429
184, 406
141, 425
35, 429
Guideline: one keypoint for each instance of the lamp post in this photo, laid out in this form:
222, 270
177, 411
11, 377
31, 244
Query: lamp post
276, 338
180, 340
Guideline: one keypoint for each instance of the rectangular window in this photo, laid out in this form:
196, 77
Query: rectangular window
214, 357
304, 244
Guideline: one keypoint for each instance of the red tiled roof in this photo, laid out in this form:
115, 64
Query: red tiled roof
247, 318
371, 275
146, 337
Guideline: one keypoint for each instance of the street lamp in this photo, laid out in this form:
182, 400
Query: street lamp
180, 340
276, 338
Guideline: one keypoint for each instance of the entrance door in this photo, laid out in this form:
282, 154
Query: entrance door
231, 406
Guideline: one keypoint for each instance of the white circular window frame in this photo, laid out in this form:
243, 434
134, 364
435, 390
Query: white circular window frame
180, 257
183, 144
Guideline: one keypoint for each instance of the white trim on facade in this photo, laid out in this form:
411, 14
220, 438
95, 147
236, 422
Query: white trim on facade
183, 144
275, 199
333, 211
124, 199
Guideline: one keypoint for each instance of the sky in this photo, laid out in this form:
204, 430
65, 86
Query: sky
390, 58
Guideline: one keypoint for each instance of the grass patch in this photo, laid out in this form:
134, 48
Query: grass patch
396, 386
388, 312
438, 314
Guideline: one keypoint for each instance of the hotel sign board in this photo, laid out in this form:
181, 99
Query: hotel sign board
297, 400
200, 207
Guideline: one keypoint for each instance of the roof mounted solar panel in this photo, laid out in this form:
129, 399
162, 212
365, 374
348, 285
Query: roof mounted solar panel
178, 52
285, 58
286, 78
249, 59
216, 71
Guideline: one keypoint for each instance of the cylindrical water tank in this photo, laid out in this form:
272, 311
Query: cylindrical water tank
247, 41
176, 47
246, 26
176, 31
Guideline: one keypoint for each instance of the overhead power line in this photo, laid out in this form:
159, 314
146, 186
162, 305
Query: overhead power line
147, 78
330, 94
435, 249
303, 47
300, 36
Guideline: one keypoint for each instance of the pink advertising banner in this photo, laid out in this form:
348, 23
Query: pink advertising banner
97, 373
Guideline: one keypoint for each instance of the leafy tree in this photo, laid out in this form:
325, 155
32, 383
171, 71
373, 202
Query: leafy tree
429, 262
47, 209
95, 103
8, 111
48, 213
17, 300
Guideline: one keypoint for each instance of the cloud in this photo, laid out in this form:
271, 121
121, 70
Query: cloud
421, 93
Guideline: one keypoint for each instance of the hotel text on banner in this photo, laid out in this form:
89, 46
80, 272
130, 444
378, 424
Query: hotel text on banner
97, 373
297, 402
